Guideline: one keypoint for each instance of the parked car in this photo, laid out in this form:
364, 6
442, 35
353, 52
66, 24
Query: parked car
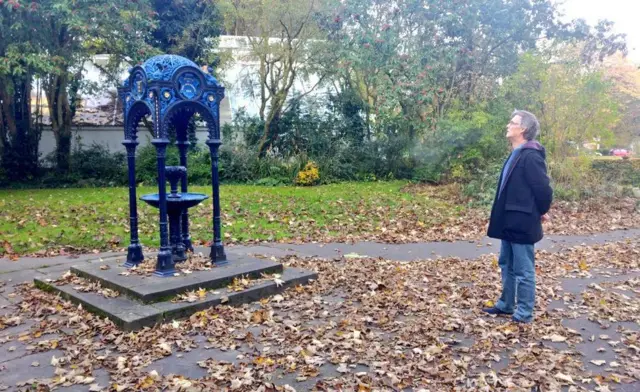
620, 152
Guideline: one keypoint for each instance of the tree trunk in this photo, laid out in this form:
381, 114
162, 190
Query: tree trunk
61, 114
278, 96
27, 136
263, 89
3, 133
19, 139
270, 130
6, 95
63, 151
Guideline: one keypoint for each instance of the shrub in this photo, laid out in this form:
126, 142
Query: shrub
465, 147
429, 173
340, 166
574, 179
90, 166
237, 164
147, 163
625, 172
482, 187
97, 166
198, 164
309, 175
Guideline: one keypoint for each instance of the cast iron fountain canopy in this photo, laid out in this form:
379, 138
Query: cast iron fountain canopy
171, 89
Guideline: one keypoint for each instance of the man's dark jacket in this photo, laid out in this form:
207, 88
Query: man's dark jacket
525, 197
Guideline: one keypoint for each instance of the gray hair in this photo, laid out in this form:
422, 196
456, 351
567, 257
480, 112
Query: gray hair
529, 122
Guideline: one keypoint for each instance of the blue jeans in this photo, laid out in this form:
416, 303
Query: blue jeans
517, 263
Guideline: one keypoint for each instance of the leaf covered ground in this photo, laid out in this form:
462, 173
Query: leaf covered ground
47, 222
366, 324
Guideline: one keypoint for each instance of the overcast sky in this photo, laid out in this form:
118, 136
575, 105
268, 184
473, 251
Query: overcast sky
624, 13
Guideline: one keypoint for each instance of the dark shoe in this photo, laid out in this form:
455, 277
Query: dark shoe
495, 311
518, 321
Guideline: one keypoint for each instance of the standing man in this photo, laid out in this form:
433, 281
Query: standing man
522, 200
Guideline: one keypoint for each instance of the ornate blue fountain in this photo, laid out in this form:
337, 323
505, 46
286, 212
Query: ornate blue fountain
171, 89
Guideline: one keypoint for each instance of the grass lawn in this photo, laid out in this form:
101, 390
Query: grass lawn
87, 219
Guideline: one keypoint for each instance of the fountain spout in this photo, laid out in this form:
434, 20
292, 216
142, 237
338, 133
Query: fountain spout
174, 175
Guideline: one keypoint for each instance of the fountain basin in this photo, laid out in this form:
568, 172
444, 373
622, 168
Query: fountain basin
177, 205
183, 201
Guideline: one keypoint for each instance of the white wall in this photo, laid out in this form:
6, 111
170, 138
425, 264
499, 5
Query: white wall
110, 137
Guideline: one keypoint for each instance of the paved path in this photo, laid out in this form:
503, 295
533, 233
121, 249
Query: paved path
430, 250
401, 252
15, 360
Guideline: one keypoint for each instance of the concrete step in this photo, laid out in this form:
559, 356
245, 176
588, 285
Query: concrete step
131, 314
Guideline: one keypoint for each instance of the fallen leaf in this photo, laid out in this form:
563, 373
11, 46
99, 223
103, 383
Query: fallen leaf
258, 317
565, 378
121, 363
119, 388
342, 368
165, 348
555, 338
84, 380
236, 384
583, 265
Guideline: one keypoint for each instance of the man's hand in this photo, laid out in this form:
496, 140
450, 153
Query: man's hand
545, 218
